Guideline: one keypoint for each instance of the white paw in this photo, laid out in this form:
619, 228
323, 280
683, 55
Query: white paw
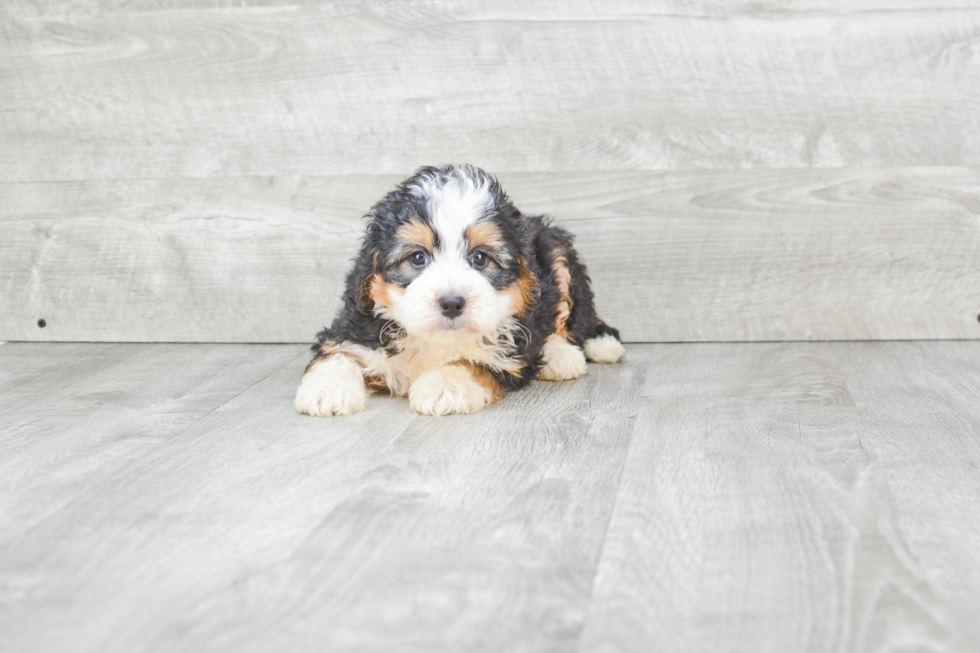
604, 349
333, 386
562, 360
448, 390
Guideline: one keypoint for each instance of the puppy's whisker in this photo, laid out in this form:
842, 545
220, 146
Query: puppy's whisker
523, 330
387, 325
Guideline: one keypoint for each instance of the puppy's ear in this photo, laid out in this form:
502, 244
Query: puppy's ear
359, 279
525, 239
365, 301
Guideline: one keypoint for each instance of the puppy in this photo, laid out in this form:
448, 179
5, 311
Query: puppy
455, 299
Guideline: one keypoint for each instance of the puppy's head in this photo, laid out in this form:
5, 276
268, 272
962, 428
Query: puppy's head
449, 254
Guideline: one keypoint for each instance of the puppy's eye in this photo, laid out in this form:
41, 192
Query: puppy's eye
418, 258
479, 259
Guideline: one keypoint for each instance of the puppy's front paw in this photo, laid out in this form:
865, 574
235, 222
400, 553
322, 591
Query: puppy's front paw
332, 386
446, 391
562, 360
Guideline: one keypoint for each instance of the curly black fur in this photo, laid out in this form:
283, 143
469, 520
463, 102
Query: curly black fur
533, 240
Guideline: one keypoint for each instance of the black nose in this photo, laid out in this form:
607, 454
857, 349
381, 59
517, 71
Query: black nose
452, 305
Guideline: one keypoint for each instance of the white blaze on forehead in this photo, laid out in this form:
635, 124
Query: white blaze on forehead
455, 203
456, 199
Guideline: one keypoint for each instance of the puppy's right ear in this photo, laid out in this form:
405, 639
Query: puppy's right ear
366, 265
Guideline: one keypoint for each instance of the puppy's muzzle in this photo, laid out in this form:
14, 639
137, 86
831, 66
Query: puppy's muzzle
452, 305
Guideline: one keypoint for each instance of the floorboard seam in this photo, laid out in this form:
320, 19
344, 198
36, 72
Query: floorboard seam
4, 412
216, 409
612, 512
146, 453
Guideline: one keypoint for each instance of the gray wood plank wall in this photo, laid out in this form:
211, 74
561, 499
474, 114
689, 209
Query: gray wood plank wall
196, 171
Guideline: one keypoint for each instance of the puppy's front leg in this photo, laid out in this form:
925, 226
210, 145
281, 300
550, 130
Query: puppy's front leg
562, 360
332, 386
452, 389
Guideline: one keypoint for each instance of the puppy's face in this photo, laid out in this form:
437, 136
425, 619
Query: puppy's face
448, 255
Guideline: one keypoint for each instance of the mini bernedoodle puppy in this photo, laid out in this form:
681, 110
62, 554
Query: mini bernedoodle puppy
455, 299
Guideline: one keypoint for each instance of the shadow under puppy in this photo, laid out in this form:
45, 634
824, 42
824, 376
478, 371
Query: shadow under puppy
455, 299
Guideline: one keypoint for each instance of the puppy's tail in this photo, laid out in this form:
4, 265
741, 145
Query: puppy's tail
604, 345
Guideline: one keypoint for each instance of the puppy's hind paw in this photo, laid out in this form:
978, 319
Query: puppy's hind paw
562, 360
332, 386
449, 390
604, 349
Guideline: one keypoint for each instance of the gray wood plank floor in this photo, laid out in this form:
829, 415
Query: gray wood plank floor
696, 497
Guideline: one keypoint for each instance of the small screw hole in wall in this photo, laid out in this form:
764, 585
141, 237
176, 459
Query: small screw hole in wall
42, 323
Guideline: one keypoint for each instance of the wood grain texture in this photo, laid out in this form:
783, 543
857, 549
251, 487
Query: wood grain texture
193, 170
674, 256
369, 88
771, 501
697, 497
22, 365
79, 413
678, 8
919, 410
256, 529
253, 260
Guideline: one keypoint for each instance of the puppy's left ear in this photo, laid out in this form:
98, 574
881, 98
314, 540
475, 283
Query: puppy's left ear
527, 280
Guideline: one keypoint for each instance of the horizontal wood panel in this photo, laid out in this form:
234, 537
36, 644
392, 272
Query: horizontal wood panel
547, 9
692, 256
371, 88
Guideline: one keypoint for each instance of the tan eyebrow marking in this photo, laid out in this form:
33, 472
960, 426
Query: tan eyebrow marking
484, 234
416, 233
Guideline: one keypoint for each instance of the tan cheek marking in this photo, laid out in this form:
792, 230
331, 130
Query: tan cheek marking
382, 292
416, 233
379, 291
485, 379
522, 291
513, 293
485, 234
